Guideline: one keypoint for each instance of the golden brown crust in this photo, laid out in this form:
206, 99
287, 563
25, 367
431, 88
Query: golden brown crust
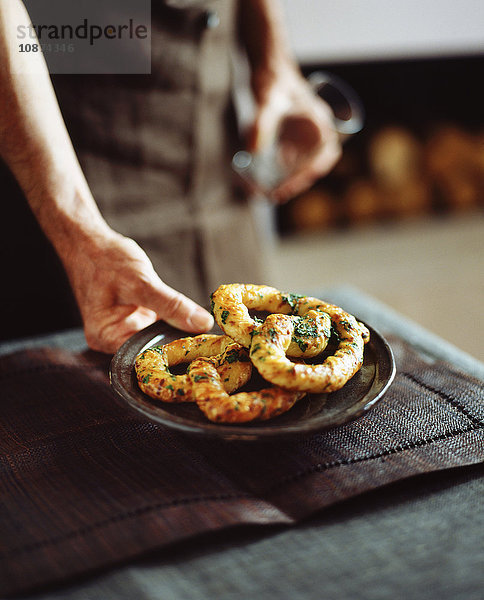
152, 366
231, 304
220, 407
268, 354
297, 326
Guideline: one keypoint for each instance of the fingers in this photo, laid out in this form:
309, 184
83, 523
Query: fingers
106, 330
305, 177
264, 127
175, 308
120, 293
143, 288
261, 132
147, 290
107, 326
121, 332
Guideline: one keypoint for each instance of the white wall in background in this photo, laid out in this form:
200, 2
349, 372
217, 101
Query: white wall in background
356, 30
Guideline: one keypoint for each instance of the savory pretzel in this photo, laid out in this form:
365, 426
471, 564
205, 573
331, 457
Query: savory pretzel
218, 406
271, 340
296, 326
231, 304
153, 366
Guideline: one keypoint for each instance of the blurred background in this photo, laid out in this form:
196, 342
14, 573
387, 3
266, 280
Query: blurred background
401, 217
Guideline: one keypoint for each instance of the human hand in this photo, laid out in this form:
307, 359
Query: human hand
116, 288
289, 114
119, 293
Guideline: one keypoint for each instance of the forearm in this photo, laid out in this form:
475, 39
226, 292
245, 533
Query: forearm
114, 282
263, 35
36, 146
286, 108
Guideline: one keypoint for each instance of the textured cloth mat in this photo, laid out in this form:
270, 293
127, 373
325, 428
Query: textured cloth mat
85, 483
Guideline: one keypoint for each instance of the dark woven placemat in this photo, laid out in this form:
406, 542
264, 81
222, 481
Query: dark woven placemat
85, 484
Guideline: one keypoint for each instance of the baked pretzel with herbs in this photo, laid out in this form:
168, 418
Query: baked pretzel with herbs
297, 326
231, 304
220, 407
271, 340
155, 379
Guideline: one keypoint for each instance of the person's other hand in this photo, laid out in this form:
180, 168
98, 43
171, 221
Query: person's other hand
119, 293
286, 106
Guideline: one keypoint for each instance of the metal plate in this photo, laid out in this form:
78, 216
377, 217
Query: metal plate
312, 414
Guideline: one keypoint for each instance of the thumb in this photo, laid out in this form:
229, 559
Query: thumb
270, 108
263, 129
176, 309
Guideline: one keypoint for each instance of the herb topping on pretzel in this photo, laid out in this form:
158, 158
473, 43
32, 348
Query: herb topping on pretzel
156, 380
231, 304
272, 338
296, 326
219, 406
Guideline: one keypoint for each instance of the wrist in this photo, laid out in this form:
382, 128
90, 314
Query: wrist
278, 86
71, 221
82, 248
264, 37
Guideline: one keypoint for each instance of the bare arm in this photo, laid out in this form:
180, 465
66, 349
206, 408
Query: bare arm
280, 90
115, 285
264, 36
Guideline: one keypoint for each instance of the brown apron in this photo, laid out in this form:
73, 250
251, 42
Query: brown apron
156, 150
